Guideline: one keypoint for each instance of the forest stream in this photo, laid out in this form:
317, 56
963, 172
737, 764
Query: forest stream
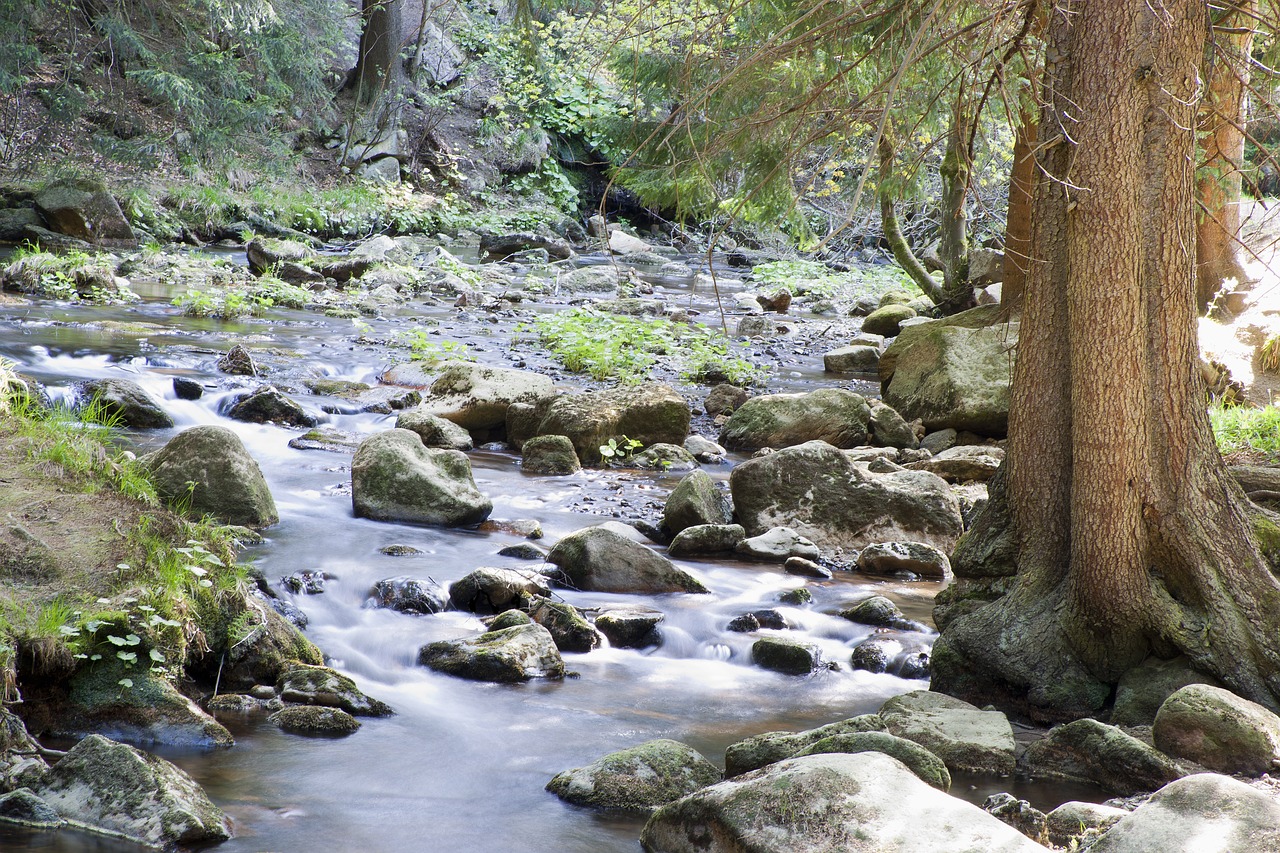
462, 765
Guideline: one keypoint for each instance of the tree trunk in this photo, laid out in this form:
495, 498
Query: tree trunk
1126, 536
953, 248
1222, 117
379, 68
893, 231
1017, 228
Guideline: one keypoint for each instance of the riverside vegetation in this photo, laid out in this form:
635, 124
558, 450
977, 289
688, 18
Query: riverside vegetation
310, 335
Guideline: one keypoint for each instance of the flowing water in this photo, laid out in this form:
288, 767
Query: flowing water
462, 765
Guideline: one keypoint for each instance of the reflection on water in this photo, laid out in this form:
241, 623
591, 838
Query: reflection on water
462, 765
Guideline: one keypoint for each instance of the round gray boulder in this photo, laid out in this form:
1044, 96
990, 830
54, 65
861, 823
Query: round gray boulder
549, 454
228, 484
394, 477
125, 401
518, 653
1219, 730
638, 779
833, 415
694, 501
598, 559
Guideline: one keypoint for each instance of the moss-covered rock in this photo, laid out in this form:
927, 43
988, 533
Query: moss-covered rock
518, 653
115, 788
760, 750
950, 375
963, 736
489, 590
315, 720
833, 415
887, 320
695, 500
638, 779
598, 559
785, 656
703, 539
394, 477
569, 628
320, 685
919, 760
435, 431
650, 413
83, 208
664, 457
826, 497
549, 454
1143, 689
126, 402
477, 397
228, 484
1089, 751
127, 704
26, 809
831, 803
267, 404
1218, 729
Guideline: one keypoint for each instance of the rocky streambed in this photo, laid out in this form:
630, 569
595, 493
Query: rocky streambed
468, 531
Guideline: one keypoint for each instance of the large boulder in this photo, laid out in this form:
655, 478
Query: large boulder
325, 687
764, 749
269, 405
489, 590
601, 560
833, 415
82, 208
314, 721
1196, 814
630, 626
126, 402
394, 477
477, 397
435, 431
1089, 751
704, 539
265, 253
650, 413
408, 595
1219, 730
637, 779
953, 373
127, 704
549, 454
569, 629
964, 737
499, 246
208, 471
1143, 689
518, 653
819, 492
121, 790
695, 500
833, 803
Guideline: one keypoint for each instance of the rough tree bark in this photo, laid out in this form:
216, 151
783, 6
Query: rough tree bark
898, 244
379, 67
953, 243
1017, 231
1115, 532
1221, 124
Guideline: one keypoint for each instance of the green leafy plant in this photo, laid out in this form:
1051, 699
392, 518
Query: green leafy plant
1269, 355
609, 346
619, 449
